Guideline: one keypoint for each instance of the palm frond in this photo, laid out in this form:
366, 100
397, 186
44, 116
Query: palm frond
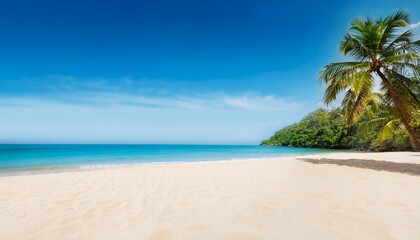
341, 70
411, 58
351, 45
397, 96
391, 24
358, 96
404, 86
389, 130
363, 98
410, 46
408, 70
398, 41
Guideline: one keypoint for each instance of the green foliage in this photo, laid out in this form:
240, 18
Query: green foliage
329, 129
384, 48
367, 120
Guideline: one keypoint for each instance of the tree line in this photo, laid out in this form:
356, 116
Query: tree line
329, 129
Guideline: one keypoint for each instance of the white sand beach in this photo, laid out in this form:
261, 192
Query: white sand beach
246, 199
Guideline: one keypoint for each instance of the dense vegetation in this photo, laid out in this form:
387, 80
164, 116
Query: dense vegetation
329, 129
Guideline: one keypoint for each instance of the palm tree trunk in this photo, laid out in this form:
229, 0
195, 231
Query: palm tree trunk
414, 136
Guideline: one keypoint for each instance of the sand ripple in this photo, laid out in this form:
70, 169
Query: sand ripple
239, 200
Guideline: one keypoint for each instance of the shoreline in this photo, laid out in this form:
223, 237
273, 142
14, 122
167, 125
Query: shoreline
58, 157
110, 166
106, 166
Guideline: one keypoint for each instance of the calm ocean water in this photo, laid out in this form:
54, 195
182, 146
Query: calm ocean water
24, 157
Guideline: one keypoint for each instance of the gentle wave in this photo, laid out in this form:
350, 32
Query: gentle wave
61, 158
82, 168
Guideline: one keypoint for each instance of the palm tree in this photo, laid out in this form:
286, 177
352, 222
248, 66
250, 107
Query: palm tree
383, 48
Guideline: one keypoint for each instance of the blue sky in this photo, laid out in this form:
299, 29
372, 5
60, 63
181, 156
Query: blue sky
216, 72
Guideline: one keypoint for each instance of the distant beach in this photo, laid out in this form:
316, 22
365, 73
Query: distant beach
271, 198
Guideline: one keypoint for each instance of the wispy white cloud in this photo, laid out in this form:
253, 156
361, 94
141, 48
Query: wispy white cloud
123, 118
86, 110
207, 101
414, 25
257, 102
144, 93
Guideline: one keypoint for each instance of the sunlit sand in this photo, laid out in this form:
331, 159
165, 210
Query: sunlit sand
250, 199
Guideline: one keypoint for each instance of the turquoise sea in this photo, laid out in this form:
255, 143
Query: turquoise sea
29, 157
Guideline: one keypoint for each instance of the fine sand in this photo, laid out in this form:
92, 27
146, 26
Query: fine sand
246, 199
